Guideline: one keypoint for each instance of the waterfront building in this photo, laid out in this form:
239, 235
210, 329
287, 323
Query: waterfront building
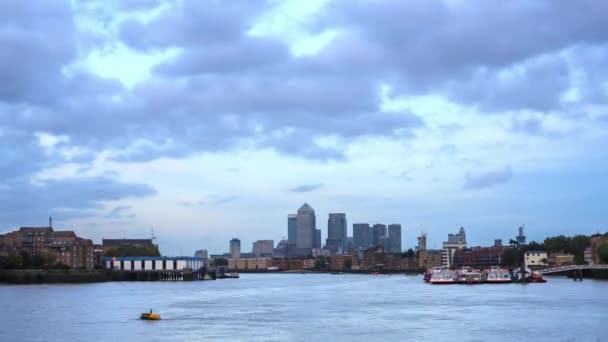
305, 227
153, 263
560, 259
235, 248
262, 248
434, 258
341, 262
292, 226
394, 238
63, 247
379, 231
535, 258
485, 257
361, 235
250, 264
597, 240
498, 243
588, 256
455, 242
336, 233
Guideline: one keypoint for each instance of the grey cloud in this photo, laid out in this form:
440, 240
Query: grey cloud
239, 56
306, 187
532, 126
189, 23
488, 179
465, 49
120, 212
23, 201
225, 199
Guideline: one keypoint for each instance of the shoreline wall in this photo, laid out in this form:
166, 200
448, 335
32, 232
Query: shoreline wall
52, 276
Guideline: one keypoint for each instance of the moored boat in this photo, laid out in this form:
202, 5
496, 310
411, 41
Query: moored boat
536, 277
429, 273
496, 275
443, 277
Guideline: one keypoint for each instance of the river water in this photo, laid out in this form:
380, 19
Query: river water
306, 307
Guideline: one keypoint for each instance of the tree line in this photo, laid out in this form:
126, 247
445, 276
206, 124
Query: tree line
574, 245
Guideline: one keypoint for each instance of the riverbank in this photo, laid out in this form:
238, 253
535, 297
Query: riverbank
409, 272
52, 276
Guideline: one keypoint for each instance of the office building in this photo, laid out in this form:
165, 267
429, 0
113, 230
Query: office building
361, 235
305, 227
317, 240
292, 225
394, 237
235, 248
454, 243
336, 233
379, 231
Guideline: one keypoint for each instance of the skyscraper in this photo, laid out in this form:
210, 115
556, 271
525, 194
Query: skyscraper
336, 232
361, 235
379, 232
305, 227
521, 238
292, 225
394, 236
317, 239
235, 248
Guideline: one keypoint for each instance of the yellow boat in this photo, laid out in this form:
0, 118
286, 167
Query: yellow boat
151, 316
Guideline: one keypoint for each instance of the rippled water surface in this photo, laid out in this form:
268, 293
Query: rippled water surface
306, 307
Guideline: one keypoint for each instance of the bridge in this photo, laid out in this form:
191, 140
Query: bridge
572, 268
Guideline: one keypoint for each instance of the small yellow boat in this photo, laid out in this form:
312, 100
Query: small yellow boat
151, 316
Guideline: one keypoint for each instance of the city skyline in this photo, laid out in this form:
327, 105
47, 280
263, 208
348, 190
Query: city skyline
204, 121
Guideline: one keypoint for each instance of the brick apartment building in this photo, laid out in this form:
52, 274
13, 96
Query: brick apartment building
64, 246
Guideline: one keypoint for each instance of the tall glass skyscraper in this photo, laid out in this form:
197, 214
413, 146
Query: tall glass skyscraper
379, 233
394, 238
305, 227
361, 235
336, 232
292, 225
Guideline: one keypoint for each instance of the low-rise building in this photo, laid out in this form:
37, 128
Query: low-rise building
59, 246
560, 259
588, 256
250, 263
153, 263
341, 262
536, 258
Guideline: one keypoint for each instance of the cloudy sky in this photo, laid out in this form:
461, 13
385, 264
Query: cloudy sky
207, 120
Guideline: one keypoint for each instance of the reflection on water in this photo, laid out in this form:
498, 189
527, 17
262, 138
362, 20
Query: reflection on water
307, 307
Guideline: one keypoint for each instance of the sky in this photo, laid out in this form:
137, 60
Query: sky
208, 120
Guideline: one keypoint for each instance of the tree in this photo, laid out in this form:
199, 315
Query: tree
11, 262
320, 263
132, 251
602, 253
348, 264
26, 260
